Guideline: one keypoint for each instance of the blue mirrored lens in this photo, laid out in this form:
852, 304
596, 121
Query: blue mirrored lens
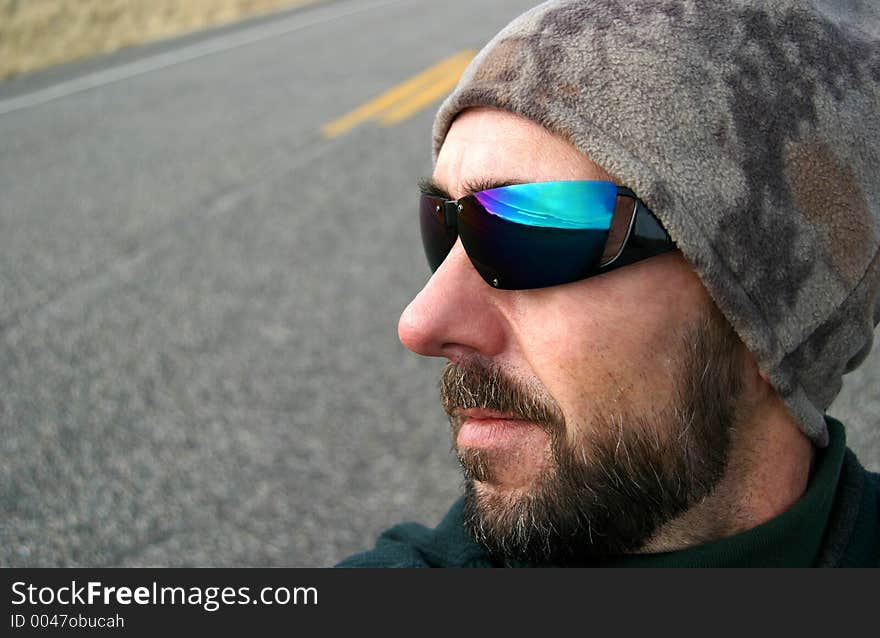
577, 205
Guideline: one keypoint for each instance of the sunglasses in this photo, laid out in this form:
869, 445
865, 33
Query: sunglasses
545, 233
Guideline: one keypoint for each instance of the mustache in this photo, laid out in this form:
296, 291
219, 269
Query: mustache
478, 384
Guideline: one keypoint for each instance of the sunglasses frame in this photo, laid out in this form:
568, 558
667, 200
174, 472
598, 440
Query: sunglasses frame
645, 236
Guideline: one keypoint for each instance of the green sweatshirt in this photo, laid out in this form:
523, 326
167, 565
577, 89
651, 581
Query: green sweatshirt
836, 523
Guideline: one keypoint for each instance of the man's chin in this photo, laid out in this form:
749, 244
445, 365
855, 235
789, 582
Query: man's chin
504, 457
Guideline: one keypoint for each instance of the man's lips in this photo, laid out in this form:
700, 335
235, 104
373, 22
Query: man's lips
483, 414
482, 428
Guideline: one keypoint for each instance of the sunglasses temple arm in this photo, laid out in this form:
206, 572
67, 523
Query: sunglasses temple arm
647, 237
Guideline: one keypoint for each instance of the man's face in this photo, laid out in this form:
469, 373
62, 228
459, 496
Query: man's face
585, 415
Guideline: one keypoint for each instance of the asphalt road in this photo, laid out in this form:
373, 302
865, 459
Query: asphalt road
199, 295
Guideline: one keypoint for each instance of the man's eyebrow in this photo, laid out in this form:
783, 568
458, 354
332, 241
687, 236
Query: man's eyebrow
430, 186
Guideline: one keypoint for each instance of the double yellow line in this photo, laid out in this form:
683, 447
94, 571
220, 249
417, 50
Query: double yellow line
407, 98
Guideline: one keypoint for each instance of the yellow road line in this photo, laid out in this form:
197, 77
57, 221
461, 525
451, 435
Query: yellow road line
409, 92
417, 102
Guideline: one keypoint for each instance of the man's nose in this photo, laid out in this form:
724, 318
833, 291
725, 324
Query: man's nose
456, 314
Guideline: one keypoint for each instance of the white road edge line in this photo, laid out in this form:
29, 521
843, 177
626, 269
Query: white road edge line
185, 54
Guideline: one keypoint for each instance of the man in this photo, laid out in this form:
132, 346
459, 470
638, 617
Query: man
654, 230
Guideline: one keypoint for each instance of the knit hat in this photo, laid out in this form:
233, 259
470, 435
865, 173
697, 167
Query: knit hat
751, 130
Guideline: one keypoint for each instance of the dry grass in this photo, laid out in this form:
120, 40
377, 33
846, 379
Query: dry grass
38, 33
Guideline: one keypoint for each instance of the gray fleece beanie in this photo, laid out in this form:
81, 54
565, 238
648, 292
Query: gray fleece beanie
751, 129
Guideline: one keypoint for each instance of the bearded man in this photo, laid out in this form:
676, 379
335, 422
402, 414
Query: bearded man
654, 232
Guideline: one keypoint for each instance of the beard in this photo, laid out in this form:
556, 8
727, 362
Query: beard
628, 474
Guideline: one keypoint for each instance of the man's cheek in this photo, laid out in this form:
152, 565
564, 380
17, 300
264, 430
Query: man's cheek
586, 372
